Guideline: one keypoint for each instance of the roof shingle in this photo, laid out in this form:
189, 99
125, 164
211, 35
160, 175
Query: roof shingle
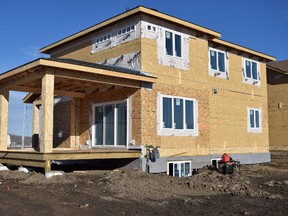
282, 66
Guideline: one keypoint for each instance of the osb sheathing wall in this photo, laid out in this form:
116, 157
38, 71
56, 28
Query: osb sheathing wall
278, 112
176, 82
222, 117
228, 111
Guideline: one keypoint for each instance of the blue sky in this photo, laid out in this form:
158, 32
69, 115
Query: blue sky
26, 26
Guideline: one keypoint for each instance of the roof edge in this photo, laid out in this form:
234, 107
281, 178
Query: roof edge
72, 66
276, 69
244, 49
138, 9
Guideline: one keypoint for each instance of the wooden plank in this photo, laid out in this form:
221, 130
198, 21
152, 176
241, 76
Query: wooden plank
105, 78
75, 120
46, 143
35, 126
4, 98
20, 69
15, 80
21, 155
18, 162
56, 92
92, 155
47, 166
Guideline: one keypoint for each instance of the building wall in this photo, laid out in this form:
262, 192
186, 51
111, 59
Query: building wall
222, 117
278, 110
176, 82
228, 111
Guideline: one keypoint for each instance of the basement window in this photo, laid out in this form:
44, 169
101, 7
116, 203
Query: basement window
179, 168
254, 120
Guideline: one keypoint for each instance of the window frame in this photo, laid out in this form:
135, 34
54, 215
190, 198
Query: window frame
179, 165
173, 131
217, 71
131, 28
251, 79
174, 52
108, 38
254, 129
93, 126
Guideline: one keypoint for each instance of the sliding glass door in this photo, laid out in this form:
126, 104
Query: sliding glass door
110, 124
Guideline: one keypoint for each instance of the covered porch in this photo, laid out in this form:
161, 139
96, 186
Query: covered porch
46, 78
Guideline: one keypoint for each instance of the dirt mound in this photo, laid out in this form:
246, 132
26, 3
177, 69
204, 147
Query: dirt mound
206, 182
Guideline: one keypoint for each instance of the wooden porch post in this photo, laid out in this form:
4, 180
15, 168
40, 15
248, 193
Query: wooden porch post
35, 127
74, 127
47, 94
4, 100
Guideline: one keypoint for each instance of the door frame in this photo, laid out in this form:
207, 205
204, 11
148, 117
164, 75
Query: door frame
128, 125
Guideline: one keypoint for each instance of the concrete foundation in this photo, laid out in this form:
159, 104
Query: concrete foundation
160, 165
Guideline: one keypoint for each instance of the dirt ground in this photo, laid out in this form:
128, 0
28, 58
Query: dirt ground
254, 190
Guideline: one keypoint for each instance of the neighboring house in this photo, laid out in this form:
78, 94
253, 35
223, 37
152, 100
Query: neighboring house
277, 78
147, 78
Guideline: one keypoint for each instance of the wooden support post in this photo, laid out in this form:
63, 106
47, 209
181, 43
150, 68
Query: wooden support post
4, 100
74, 127
35, 127
46, 143
47, 166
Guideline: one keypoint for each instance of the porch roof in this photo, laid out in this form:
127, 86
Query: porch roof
72, 77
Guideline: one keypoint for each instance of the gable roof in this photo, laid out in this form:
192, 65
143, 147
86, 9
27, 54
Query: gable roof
132, 12
279, 66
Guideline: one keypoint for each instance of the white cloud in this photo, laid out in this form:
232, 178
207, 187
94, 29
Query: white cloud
33, 53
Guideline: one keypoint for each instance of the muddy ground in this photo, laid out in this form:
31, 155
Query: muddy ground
254, 190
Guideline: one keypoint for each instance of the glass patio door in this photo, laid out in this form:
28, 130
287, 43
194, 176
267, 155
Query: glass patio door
110, 124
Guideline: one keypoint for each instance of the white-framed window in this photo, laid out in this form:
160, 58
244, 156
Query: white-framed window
177, 116
110, 124
151, 28
173, 44
254, 120
103, 39
218, 63
126, 30
179, 168
251, 71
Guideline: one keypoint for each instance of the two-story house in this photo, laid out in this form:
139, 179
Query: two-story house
145, 78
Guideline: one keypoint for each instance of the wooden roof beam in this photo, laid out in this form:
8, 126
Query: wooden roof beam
56, 92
